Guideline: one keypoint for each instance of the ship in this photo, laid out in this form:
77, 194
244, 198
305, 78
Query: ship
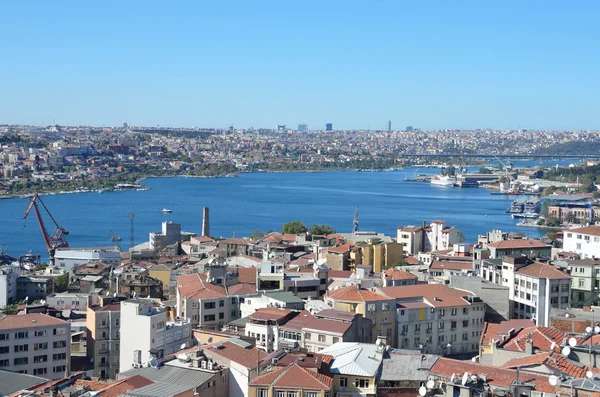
166, 211
516, 207
532, 206
526, 215
441, 180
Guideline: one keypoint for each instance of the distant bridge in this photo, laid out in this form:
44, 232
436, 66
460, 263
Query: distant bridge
508, 156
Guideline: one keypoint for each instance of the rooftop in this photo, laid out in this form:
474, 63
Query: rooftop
591, 230
355, 293
437, 295
518, 244
11, 382
542, 270
293, 376
353, 358
29, 320
245, 355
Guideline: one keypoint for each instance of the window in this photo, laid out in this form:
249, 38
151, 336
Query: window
554, 288
307, 336
39, 371
20, 361
535, 286
6, 336
59, 356
209, 305
343, 382
321, 338
454, 311
564, 287
4, 363
581, 282
385, 306
361, 383
440, 338
553, 301
221, 316
581, 296
336, 339
441, 325
59, 368
41, 332
209, 317
292, 394
21, 348
579, 237
564, 299
234, 313
60, 331
453, 324
371, 308
59, 344
40, 359
310, 394
234, 301
4, 349
442, 312
465, 323
465, 310
262, 393
221, 303
21, 335
417, 327
280, 393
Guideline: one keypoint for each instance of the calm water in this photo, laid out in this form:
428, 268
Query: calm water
262, 201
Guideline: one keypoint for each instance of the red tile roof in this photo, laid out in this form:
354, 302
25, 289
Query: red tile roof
354, 293
500, 331
29, 320
293, 376
241, 289
269, 313
519, 243
542, 338
248, 357
328, 326
591, 230
393, 274
452, 265
342, 249
121, 387
542, 270
499, 377
192, 286
445, 295
550, 359
300, 321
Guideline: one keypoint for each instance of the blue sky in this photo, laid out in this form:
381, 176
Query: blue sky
431, 64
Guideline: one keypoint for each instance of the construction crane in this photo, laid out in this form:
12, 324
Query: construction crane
54, 240
116, 240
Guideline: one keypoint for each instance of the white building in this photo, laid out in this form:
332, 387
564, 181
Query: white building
277, 299
583, 241
67, 258
534, 287
433, 237
435, 318
147, 332
35, 344
8, 285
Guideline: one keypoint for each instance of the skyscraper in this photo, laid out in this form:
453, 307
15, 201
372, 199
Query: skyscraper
388, 126
329, 127
302, 127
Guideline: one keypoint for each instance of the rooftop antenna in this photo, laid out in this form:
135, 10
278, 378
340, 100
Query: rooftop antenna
355, 223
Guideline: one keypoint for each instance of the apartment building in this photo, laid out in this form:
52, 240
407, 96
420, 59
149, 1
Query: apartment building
35, 344
374, 306
433, 237
316, 332
394, 277
278, 299
264, 325
585, 282
583, 241
534, 287
435, 318
378, 255
520, 247
291, 381
8, 285
103, 323
149, 331
67, 258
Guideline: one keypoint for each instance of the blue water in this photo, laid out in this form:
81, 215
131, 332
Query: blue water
261, 201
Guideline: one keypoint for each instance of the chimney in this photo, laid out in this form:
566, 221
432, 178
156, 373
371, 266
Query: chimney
529, 346
205, 222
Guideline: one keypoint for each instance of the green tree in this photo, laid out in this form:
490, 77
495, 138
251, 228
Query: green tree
294, 227
321, 230
61, 283
10, 309
256, 234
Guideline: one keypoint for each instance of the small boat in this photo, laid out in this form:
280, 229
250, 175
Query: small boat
166, 211
526, 215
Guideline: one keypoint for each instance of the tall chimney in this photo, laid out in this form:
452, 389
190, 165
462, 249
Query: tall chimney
205, 222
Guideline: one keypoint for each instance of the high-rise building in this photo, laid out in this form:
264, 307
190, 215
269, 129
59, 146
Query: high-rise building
280, 127
329, 127
302, 127
388, 126
409, 128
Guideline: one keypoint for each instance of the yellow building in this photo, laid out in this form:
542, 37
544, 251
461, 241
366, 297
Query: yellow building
378, 308
379, 255
289, 381
162, 273
355, 367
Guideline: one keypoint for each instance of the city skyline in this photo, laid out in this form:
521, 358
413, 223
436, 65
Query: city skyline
442, 66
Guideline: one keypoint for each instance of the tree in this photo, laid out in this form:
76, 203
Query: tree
10, 309
61, 283
294, 227
321, 230
256, 234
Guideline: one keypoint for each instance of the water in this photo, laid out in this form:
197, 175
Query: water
263, 201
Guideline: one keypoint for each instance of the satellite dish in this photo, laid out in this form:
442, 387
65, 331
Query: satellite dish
553, 380
430, 384
553, 345
572, 342
588, 330
422, 391
566, 351
92, 359
26, 298
183, 345
153, 363
597, 329
474, 359
589, 374
464, 379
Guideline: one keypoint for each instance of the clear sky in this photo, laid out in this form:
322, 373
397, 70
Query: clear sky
430, 64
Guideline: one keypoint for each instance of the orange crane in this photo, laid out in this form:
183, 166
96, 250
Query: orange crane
54, 240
